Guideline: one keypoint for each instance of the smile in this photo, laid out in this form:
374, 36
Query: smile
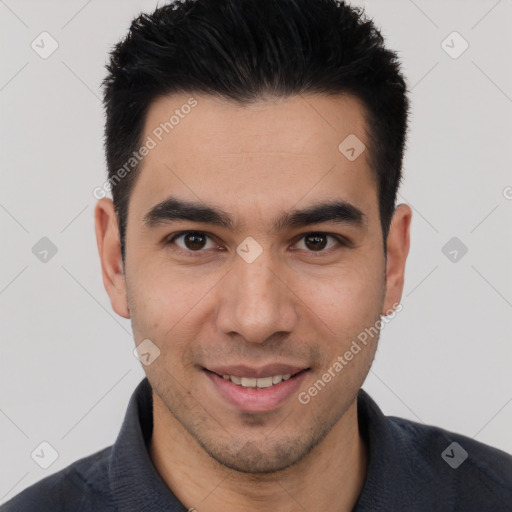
259, 393
262, 382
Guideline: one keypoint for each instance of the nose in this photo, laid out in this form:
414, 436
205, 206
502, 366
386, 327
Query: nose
256, 302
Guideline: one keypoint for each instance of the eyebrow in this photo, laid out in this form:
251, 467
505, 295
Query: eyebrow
173, 209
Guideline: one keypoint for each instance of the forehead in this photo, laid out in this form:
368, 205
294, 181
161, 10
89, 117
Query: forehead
273, 151
220, 126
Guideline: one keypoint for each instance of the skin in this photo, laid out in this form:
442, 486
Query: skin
295, 303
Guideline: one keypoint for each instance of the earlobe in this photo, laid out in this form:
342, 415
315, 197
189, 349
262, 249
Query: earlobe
109, 248
397, 244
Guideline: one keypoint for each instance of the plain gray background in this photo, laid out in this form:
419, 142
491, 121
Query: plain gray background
67, 367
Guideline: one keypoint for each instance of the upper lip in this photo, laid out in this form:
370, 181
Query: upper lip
269, 370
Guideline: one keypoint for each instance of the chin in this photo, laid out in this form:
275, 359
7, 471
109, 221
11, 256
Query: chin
259, 457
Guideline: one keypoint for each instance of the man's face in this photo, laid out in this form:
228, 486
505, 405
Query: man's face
255, 300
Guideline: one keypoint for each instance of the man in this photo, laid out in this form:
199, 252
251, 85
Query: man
254, 150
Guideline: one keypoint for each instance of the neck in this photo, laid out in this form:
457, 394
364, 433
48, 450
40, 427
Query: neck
330, 477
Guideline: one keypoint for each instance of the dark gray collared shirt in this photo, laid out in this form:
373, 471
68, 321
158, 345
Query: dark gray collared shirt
411, 467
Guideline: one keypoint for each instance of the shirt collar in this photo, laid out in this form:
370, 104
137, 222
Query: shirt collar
136, 484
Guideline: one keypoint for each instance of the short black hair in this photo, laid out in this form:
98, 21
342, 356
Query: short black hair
248, 50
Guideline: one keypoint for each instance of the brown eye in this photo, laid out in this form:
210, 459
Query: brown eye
193, 241
315, 241
319, 242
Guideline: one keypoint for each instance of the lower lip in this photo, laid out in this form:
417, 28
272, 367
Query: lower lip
256, 399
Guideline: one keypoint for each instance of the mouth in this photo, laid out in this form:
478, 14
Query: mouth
258, 382
254, 391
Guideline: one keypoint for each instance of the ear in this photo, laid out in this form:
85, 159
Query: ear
397, 250
109, 248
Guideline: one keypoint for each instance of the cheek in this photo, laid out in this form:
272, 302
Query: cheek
165, 307
347, 298
159, 294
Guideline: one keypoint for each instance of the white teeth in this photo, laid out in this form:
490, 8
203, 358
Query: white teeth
266, 382
248, 383
263, 382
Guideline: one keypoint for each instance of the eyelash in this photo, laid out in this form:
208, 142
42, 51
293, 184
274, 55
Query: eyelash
340, 239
